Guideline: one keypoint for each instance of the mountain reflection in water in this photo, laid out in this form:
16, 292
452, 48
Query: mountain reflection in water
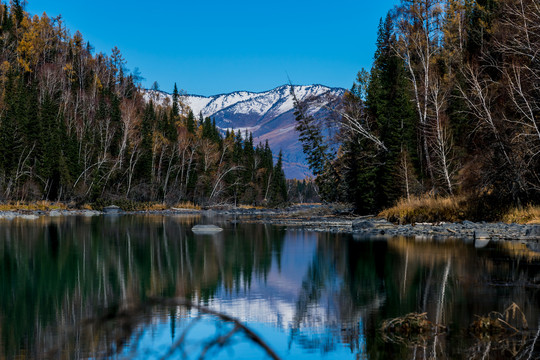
79, 287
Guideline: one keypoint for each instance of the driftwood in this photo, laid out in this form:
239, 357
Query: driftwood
408, 328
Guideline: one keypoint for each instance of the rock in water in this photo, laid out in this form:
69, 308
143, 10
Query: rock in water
481, 239
113, 209
206, 229
534, 246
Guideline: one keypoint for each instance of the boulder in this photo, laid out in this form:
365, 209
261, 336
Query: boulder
481, 239
113, 209
534, 246
363, 225
533, 231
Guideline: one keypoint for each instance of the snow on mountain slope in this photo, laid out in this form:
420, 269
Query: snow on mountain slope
269, 115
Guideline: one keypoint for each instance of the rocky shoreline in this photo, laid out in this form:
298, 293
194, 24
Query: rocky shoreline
320, 219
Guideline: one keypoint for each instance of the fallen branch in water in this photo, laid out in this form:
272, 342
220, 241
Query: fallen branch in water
120, 323
238, 326
499, 324
410, 326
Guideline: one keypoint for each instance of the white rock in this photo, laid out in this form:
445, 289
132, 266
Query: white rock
28, 217
206, 229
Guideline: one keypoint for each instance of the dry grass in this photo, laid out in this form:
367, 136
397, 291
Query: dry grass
497, 324
155, 207
427, 209
87, 207
33, 206
251, 207
526, 215
187, 205
129, 205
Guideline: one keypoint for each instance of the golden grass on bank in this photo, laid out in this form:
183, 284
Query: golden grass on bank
187, 205
527, 215
427, 209
42, 205
250, 207
87, 207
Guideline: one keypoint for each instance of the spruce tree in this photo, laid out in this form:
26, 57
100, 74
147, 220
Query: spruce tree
9, 137
116, 122
387, 103
278, 194
144, 166
249, 159
378, 180
51, 159
169, 122
18, 11
190, 122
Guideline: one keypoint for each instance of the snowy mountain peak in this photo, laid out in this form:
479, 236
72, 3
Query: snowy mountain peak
269, 115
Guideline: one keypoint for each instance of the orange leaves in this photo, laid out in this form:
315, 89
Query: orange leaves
70, 72
36, 40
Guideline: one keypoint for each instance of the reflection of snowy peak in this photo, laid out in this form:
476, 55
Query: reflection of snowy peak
268, 115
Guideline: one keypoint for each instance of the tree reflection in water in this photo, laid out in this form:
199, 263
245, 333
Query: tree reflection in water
306, 294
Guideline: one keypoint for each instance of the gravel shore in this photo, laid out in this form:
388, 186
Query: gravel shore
317, 218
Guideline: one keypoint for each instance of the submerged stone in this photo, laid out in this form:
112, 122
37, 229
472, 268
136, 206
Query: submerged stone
28, 217
206, 229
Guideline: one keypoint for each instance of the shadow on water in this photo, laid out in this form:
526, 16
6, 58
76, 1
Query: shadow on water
80, 287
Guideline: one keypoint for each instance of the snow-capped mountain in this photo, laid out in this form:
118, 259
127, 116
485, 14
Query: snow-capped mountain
268, 115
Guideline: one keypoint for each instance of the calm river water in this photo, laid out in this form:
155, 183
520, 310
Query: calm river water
86, 287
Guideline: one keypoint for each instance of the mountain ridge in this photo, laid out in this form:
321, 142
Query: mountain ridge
269, 115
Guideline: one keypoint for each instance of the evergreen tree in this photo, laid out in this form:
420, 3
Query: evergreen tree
10, 139
190, 122
372, 174
175, 110
52, 162
116, 122
249, 158
311, 137
316, 150
207, 129
388, 102
278, 195
18, 11
169, 122
144, 167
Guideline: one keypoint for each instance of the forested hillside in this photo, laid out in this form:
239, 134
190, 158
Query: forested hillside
450, 107
74, 127
269, 115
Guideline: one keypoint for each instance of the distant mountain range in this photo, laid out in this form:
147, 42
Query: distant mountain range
268, 115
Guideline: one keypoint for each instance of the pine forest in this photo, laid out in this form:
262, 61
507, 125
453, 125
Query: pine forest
450, 108
75, 126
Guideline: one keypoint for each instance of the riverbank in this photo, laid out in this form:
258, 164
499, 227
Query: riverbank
323, 218
370, 227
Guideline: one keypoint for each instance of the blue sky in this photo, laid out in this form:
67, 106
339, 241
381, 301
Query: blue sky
212, 47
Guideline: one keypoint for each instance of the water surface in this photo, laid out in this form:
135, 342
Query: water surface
86, 287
